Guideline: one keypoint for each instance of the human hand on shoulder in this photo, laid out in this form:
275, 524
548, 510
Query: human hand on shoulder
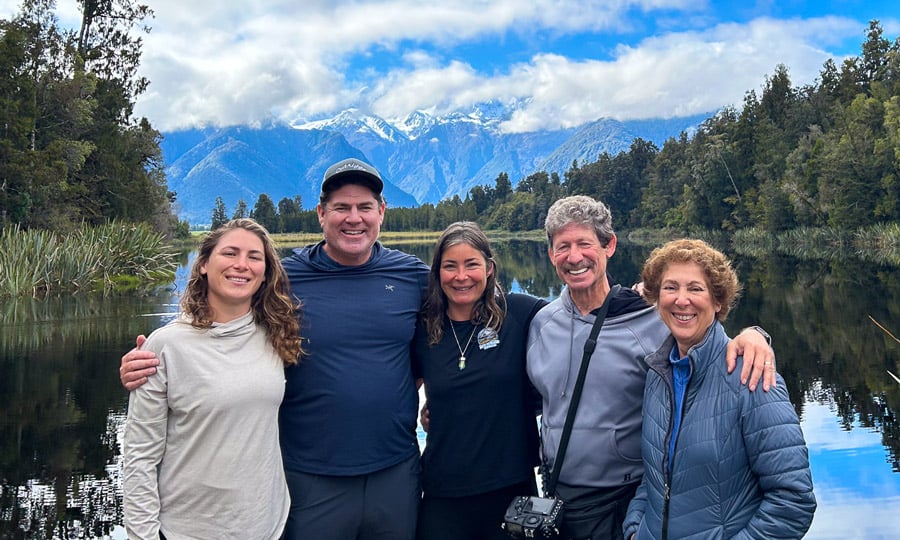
136, 365
759, 358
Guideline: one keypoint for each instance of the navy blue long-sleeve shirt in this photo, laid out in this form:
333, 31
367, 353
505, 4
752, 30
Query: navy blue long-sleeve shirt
350, 405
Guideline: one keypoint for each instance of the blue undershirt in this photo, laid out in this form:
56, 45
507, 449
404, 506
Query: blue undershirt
681, 376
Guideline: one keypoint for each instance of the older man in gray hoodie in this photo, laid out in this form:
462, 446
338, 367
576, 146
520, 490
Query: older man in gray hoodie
602, 466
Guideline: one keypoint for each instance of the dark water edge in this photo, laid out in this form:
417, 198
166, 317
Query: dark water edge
62, 408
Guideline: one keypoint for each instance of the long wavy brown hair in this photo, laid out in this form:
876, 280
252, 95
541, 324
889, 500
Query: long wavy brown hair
272, 304
490, 309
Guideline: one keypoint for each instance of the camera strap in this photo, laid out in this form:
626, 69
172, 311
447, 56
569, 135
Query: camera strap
589, 346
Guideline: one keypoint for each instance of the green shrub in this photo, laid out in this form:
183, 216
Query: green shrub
116, 256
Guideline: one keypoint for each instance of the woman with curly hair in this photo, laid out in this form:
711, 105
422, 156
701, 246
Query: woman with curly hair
201, 453
719, 461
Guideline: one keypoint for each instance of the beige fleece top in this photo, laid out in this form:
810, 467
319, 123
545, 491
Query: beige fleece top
201, 453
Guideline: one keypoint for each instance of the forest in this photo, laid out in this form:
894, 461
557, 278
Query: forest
71, 151
826, 154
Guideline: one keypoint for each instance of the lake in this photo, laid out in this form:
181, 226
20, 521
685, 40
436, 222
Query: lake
62, 408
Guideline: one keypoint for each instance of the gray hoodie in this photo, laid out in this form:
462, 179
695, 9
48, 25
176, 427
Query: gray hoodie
605, 445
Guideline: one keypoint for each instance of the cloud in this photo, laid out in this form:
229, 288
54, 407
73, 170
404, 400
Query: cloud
289, 61
823, 432
676, 74
232, 62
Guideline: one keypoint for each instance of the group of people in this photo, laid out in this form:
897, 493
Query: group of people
216, 390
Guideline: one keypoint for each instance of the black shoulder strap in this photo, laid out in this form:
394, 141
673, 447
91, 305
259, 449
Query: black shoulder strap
589, 347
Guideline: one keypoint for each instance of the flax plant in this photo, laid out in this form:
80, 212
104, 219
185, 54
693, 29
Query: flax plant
25, 259
755, 242
90, 259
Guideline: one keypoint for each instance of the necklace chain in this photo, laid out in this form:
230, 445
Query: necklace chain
462, 351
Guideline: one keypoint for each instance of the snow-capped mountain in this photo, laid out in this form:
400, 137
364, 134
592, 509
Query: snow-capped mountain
423, 158
352, 120
416, 123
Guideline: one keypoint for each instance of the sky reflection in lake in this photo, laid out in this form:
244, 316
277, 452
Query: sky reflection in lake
858, 494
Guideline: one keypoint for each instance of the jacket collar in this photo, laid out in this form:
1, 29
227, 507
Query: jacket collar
703, 355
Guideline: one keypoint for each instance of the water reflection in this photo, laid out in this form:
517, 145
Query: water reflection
857, 497
62, 408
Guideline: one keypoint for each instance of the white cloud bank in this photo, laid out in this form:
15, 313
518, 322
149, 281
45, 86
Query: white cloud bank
233, 62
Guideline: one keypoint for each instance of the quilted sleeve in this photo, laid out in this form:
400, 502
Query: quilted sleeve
779, 457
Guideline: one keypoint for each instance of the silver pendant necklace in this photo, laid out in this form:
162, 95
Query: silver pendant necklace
462, 351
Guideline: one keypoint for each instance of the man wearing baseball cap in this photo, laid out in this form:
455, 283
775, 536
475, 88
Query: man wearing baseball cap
349, 412
348, 417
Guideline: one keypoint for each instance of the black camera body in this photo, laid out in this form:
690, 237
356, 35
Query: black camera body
534, 517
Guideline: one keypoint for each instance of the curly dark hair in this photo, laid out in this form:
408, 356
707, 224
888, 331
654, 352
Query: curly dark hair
720, 276
490, 309
273, 305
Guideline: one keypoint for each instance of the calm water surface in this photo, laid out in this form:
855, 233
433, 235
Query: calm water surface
62, 408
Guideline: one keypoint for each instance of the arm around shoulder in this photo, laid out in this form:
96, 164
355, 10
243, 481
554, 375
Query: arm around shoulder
137, 365
754, 344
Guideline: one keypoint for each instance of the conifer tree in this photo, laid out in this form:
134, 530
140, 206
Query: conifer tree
219, 214
264, 213
240, 210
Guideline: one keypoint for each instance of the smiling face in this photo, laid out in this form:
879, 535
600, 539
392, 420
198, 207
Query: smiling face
351, 221
686, 304
580, 261
236, 269
464, 273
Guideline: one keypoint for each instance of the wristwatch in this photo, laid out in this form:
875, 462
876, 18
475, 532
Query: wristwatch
764, 334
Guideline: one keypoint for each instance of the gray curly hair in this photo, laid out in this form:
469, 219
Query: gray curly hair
580, 210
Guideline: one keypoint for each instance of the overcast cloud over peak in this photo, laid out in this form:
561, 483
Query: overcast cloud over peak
228, 62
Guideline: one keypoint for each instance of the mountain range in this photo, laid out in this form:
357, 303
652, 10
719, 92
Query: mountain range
422, 158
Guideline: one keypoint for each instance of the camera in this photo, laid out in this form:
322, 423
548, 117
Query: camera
533, 517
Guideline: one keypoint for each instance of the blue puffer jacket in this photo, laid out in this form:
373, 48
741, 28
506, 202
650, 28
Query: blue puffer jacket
741, 467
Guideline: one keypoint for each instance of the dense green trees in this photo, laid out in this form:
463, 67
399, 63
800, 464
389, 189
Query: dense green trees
822, 155
70, 150
827, 154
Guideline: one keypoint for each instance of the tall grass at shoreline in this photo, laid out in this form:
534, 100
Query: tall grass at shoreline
110, 257
120, 256
878, 244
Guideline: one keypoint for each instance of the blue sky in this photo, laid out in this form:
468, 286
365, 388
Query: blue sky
566, 62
